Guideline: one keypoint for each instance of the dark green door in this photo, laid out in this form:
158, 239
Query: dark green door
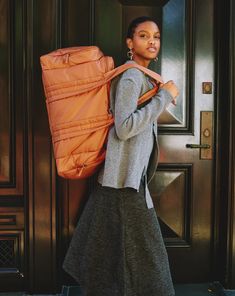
182, 186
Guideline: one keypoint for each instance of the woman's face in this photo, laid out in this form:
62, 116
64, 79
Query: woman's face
145, 43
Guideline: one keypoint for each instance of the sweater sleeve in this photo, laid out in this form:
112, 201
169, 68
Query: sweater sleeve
130, 121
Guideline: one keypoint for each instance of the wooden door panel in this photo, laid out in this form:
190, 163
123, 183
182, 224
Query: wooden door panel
182, 185
175, 51
11, 138
4, 86
12, 228
171, 193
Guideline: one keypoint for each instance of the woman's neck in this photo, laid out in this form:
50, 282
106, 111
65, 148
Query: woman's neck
141, 62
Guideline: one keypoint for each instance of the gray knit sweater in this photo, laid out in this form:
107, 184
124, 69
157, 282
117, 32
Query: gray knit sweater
131, 139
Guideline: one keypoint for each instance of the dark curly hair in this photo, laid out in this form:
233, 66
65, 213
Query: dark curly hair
135, 22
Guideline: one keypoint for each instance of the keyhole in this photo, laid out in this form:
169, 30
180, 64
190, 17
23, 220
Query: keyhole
206, 133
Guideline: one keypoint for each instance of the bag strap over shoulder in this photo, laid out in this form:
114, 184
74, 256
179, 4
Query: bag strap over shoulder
157, 78
149, 94
116, 71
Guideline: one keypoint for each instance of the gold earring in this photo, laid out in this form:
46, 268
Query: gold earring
130, 54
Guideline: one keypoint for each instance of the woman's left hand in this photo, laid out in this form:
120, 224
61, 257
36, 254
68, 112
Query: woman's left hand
172, 89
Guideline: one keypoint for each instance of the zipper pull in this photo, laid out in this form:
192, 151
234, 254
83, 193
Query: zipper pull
81, 170
66, 58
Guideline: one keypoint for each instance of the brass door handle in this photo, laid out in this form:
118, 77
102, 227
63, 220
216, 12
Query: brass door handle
195, 146
206, 136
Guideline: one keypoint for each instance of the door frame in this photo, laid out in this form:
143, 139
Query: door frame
224, 188
230, 262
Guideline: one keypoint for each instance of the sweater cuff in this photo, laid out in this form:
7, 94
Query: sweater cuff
165, 94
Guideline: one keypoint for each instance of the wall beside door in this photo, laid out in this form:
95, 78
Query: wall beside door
38, 209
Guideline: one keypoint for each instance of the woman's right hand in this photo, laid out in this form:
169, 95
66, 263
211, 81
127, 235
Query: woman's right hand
172, 89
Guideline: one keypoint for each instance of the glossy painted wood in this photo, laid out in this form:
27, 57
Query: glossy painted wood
188, 192
230, 128
232, 141
39, 210
4, 86
54, 204
11, 161
12, 227
42, 207
182, 187
221, 257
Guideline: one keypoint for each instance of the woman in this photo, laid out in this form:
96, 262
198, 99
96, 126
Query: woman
117, 248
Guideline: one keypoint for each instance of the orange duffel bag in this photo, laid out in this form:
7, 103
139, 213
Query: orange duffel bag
76, 82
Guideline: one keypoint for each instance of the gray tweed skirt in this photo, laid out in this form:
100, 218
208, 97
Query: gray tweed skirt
117, 248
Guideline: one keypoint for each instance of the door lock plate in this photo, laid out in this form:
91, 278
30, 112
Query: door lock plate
206, 134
